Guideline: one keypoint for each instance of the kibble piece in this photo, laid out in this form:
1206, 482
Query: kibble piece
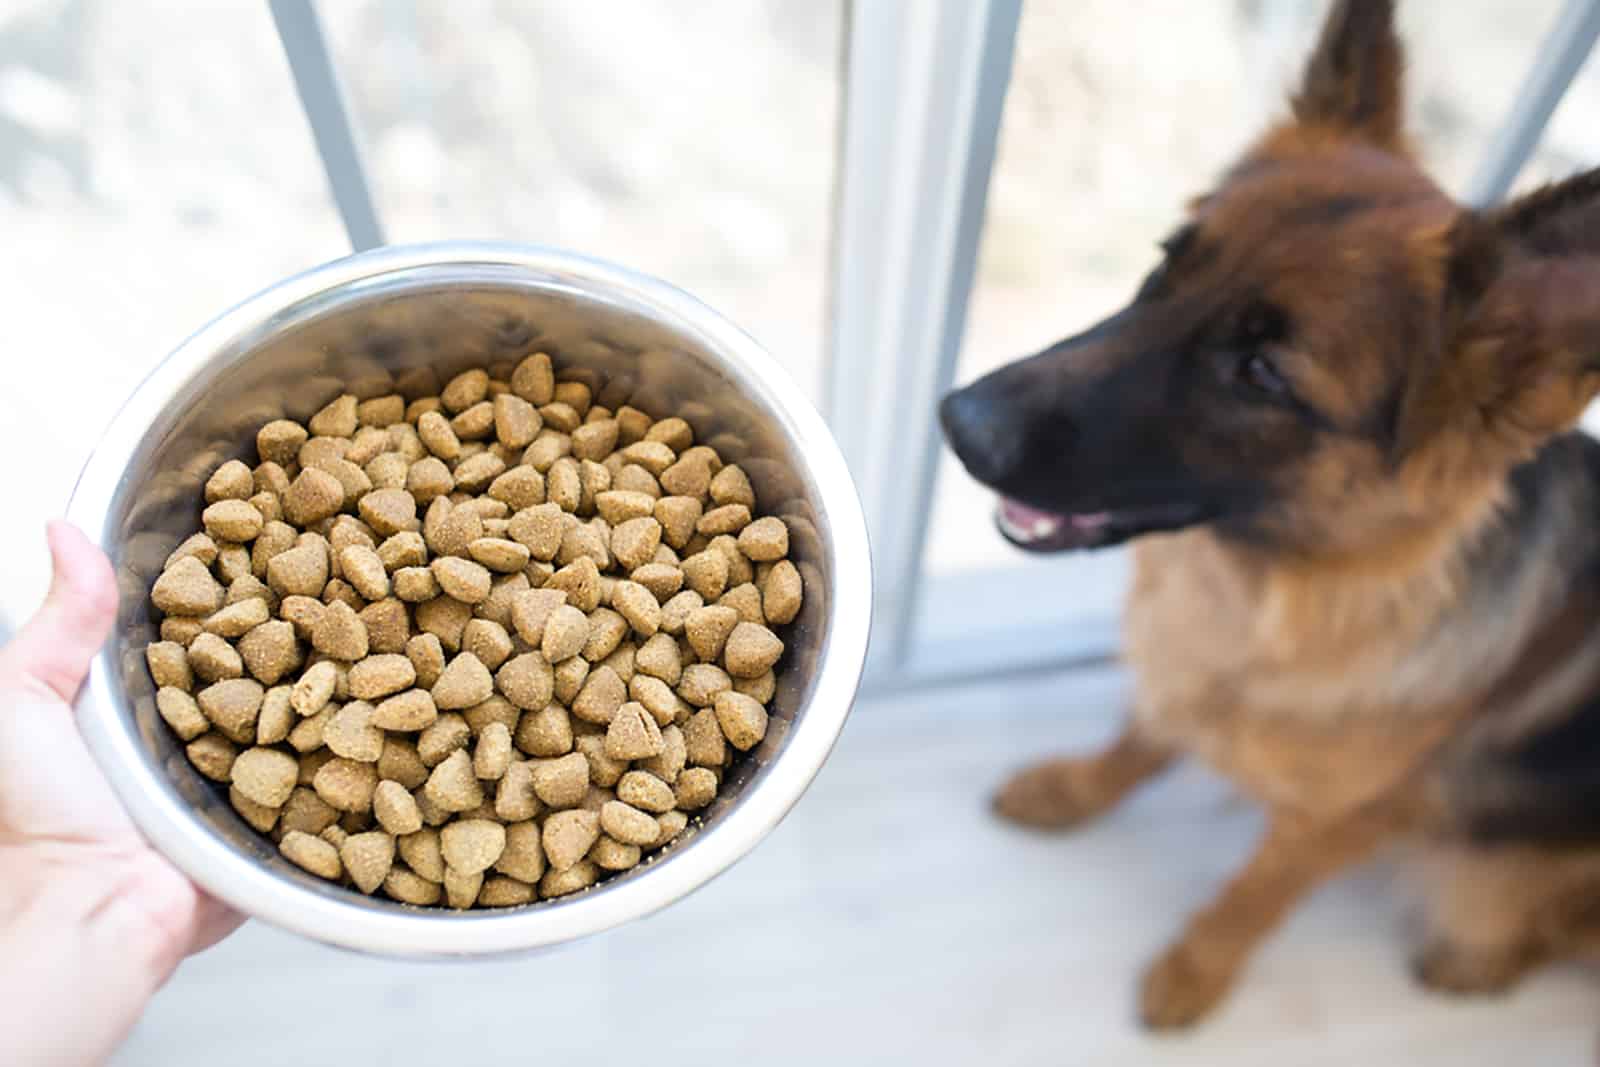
668, 765
472, 846
562, 783
580, 580
339, 634
301, 612
751, 650
672, 824
677, 516
765, 540
307, 735
740, 569
570, 675
212, 755
461, 890
628, 824
232, 520
581, 541
401, 762
452, 786
609, 854
658, 657
760, 688
707, 629
408, 888
675, 612
442, 738
514, 798
689, 476
697, 787
364, 570
706, 573
396, 809
382, 675
531, 609
476, 472
465, 389
428, 479
270, 651
568, 836
638, 606
462, 579
732, 486
276, 717
781, 593
488, 641
565, 633
186, 587
604, 771
701, 682
646, 792
464, 682
211, 658
522, 856
560, 415
539, 529
621, 660
180, 712
435, 432
422, 854
381, 411
346, 784
311, 854
299, 571
703, 742
265, 776
492, 755
617, 506
520, 487
415, 585
448, 530
633, 734
559, 883
279, 441
338, 419
548, 447
499, 554
231, 705
516, 423
602, 694
534, 379
180, 631
496, 709
314, 495
663, 580
527, 681
427, 658
658, 699
743, 720
367, 858
351, 733
607, 628
745, 600
546, 732
169, 665
306, 812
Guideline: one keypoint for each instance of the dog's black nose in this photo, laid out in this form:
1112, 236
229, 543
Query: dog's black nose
987, 440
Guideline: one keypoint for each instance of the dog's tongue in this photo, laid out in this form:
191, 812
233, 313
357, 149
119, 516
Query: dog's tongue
1026, 523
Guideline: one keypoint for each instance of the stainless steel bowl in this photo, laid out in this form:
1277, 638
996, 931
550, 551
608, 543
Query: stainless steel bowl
354, 325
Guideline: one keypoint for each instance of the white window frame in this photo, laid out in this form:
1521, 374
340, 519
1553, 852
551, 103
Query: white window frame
924, 98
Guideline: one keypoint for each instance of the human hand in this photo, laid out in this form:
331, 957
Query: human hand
92, 919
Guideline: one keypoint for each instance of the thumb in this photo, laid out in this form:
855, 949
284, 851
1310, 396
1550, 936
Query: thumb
55, 646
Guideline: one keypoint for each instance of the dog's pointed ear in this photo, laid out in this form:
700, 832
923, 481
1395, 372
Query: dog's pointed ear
1352, 82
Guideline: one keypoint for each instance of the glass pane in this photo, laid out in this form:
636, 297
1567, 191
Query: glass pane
691, 141
146, 183
1119, 110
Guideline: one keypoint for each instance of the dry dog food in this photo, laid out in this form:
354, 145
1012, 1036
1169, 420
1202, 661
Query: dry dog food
476, 648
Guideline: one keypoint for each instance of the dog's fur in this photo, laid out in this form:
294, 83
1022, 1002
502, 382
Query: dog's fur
1367, 582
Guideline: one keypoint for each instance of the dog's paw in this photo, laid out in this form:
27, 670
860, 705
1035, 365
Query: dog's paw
1056, 795
1177, 990
1445, 967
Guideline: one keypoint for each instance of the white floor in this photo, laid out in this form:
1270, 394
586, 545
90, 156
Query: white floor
890, 920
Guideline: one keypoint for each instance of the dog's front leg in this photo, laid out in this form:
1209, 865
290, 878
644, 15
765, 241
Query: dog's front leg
1060, 793
1292, 858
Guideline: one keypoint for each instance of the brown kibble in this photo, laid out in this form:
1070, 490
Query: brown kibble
663, 580
678, 516
670, 763
706, 573
563, 486
186, 587
389, 511
499, 554
442, 737
382, 675
707, 629
338, 419
674, 432
396, 809
628, 824
672, 824
548, 447
644, 791
212, 755
633, 734
462, 579
461, 890
659, 658
595, 440
311, 854
279, 441
634, 542
606, 630
464, 682
546, 732
232, 520
428, 479
751, 650
307, 734
675, 612
764, 540
743, 720
301, 612
520, 487
602, 694
488, 641
732, 486
346, 784
422, 854
180, 712
568, 836
581, 540
496, 709
781, 593
703, 742
231, 705
452, 786
619, 506
388, 625
314, 495
653, 456
609, 854
464, 390
339, 634
559, 415
426, 654
701, 682
760, 688
408, 888
527, 681
401, 762
363, 569
581, 582
569, 678
492, 755
516, 423
351, 733
745, 600
727, 519
265, 776
436, 434
415, 585
448, 530
689, 476
381, 411
472, 846
604, 771
169, 665
306, 812
299, 571
539, 529
270, 651
534, 379
531, 610
562, 783
565, 632
523, 854
368, 858
740, 570
514, 798
212, 659
696, 788
658, 699
559, 883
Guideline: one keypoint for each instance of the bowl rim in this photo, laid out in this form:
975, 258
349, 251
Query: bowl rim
255, 890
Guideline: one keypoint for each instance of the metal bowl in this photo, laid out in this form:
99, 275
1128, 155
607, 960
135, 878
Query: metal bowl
354, 325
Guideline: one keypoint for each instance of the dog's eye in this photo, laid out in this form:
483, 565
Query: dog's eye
1259, 372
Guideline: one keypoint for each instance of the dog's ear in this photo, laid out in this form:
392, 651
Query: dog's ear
1353, 80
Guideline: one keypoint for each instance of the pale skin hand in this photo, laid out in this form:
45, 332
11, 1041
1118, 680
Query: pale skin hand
92, 920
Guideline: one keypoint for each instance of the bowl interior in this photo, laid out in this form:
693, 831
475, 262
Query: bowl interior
269, 359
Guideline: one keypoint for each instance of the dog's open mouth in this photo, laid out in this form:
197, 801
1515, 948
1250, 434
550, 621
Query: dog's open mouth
1047, 531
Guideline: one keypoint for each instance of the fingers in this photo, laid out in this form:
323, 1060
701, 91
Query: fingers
55, 646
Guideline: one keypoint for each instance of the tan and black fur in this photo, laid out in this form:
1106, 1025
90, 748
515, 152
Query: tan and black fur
1336, 419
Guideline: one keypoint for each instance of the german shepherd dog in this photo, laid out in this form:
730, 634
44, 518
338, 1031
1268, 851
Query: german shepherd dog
1336, 422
